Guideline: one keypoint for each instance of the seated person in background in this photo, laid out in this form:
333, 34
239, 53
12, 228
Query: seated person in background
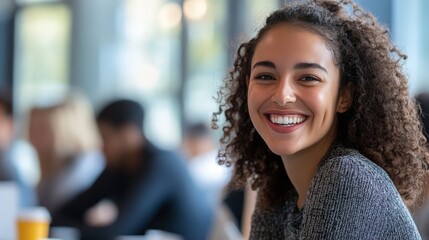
68, 144
11, 152
201, 152
147, 188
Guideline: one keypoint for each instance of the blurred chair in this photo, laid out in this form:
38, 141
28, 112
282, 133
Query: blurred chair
68, 145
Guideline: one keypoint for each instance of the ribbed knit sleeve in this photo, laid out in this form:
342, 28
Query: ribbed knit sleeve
350, 197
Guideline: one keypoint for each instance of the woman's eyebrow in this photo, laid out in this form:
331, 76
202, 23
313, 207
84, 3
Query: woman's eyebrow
264, 64
305, 65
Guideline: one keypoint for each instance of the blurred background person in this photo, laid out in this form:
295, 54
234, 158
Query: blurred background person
146, 188
14, 154
201, 151
68, 144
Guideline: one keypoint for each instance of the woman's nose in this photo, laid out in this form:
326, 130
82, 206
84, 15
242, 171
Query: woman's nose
284, 93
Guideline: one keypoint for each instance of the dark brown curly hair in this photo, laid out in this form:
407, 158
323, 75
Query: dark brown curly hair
382, 123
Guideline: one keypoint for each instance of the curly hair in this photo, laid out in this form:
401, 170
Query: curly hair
382, 123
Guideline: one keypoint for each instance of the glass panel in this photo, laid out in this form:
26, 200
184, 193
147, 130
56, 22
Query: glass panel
422, 78
42, 58
207, 60
411, 34
35, 1
258, 11
149, 65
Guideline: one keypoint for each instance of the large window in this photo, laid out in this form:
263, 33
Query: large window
149, 67
207, 57
41, 54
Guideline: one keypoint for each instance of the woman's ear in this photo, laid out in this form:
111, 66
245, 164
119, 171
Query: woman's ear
345, 99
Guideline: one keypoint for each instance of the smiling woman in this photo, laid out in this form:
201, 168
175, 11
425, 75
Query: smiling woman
319, 119
293, 103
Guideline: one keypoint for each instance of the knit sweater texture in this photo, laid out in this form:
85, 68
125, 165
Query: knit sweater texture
350, 197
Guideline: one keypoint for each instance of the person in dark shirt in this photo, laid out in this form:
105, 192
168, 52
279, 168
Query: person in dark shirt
147, 188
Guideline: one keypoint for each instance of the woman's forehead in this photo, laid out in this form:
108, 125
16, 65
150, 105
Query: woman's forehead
289, 42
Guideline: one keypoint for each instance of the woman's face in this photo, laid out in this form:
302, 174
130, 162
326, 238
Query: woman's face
293, 91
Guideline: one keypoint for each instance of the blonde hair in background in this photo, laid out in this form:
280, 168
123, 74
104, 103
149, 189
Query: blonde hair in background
73, 127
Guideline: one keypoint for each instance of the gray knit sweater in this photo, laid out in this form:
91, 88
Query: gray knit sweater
350, 197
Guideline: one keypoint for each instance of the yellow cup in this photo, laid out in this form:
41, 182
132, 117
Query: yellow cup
33, 223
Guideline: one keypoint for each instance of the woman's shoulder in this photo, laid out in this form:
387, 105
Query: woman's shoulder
346, 176
346, 172
351, 192
350, 165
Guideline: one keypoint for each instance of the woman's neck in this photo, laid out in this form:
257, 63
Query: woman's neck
302, 166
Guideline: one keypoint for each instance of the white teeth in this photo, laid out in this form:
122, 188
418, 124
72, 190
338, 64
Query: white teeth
286, 119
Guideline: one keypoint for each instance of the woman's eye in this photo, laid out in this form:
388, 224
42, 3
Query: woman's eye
309, 79
264, 77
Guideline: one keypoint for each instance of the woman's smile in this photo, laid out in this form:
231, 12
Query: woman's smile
286, 122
